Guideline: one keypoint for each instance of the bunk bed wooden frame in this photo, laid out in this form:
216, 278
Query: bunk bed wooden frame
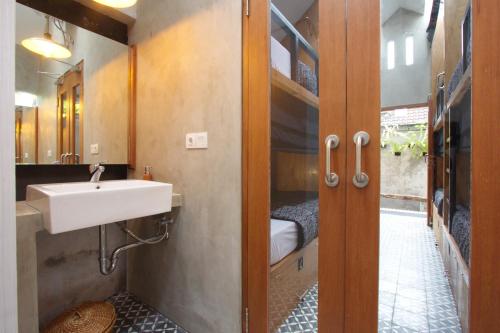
290, 280
456, 266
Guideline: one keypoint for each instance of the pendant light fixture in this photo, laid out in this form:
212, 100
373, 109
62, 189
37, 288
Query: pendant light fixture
46, 46
117, 3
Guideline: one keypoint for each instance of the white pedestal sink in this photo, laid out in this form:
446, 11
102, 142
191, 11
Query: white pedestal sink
73, 206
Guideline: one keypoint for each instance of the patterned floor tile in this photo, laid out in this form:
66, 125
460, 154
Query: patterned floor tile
414, 293
133, 316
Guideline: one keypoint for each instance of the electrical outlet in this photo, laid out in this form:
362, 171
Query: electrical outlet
94, 149
197, 140
49, 153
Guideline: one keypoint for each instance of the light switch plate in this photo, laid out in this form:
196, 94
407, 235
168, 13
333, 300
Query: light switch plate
49, 153
197, 140
94, 149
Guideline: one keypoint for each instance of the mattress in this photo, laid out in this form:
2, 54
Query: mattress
280, 58
284, 239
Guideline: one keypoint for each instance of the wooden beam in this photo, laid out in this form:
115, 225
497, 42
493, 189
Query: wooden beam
82, 16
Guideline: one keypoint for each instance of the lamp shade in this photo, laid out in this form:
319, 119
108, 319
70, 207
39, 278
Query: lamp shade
117, 3
46, 47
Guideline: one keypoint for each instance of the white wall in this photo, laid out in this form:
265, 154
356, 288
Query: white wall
8, 274
406, 84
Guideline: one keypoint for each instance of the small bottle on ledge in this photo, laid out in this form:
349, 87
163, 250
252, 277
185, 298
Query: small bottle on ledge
147, 173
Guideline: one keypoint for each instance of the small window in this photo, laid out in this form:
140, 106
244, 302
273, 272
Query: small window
391, 55
410, 49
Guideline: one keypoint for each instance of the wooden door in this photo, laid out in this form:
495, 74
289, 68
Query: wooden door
70, 115
330, 111
362, 199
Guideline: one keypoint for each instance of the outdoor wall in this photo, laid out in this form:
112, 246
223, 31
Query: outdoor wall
189, 80
406, 175
405, 85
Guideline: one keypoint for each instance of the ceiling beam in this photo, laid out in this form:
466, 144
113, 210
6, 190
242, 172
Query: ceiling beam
75, 13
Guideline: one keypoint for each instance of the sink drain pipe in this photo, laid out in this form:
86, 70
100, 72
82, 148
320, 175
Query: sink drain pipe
108, 264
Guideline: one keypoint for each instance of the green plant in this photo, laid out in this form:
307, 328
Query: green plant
391, 138
415, 141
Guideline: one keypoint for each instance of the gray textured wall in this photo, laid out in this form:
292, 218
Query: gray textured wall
406, 84
189, 80
68, 270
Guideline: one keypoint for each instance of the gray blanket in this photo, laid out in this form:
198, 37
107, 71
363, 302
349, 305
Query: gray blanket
305, 215
460, 230
438, 200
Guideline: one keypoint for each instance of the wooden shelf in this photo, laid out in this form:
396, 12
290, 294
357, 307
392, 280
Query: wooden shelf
462, 88
294, 89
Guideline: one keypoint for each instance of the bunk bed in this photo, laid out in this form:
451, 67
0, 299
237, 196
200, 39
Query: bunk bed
294, 149
451, 149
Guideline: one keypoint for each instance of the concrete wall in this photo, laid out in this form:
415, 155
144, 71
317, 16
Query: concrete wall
406, 84
68, 270
8, 272
404, 175
189, 80
105, 82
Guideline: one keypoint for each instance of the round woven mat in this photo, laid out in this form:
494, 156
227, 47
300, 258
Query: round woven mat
89, 317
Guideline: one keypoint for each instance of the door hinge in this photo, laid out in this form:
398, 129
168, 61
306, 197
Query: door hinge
247, 7
246, 320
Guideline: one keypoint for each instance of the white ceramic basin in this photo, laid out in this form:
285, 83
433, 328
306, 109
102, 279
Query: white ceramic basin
73, 206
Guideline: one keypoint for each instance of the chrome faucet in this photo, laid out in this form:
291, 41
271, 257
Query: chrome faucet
63, 158
95, 172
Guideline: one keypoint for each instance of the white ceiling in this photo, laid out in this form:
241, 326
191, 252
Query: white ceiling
390, 7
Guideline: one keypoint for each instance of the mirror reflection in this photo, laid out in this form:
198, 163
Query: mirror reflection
71, 95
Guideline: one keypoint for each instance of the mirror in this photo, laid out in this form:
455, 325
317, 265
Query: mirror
72, 93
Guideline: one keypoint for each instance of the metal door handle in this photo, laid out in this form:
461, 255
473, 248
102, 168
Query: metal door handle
360, 179
331, 178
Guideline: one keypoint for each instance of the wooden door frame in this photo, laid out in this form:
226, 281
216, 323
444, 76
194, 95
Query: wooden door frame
485, 164
75, 79
256, 166
256, 161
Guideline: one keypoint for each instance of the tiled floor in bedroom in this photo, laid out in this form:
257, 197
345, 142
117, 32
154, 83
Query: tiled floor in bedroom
414, 294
